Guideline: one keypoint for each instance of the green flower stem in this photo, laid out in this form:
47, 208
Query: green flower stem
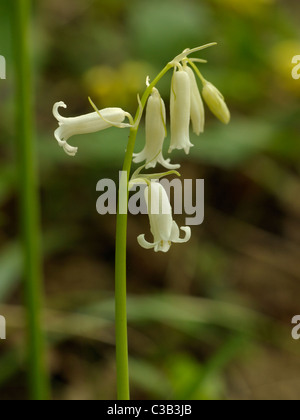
120, 265
29, 201
197, 71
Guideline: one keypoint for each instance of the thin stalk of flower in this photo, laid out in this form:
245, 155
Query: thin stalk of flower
198, 60
189, 51
139, 178
197, 71
117, 124
153, 176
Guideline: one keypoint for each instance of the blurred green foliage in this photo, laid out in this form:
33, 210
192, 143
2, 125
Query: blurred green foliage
217, 324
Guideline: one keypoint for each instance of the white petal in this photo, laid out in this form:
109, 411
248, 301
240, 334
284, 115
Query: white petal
166, 163
175, 235
70, 150
145, 244
58, 136
139, 157
56, 114
197, 106
159, 211
180, 112
155, 127
163, 246
188, 233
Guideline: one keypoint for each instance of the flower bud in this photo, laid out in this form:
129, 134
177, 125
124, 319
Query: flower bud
216, 103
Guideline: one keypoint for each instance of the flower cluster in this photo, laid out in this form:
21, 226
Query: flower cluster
186, 109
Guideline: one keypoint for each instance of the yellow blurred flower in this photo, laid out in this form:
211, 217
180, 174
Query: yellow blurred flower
281, 60
246, 7
118, 86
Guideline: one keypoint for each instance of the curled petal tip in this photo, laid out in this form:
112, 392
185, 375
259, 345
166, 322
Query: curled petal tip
56, 106
188, 233
70, 150
145, 244
60, 140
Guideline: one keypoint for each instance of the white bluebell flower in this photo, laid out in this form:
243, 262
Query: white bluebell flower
156, 132
164, 229
180, 111
84, 124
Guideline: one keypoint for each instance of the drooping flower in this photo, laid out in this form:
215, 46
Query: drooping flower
216, 102
89, 123
163, 228
155, 134
180, 111
197, 106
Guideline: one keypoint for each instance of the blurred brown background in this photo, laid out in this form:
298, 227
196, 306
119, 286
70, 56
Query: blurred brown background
212, 318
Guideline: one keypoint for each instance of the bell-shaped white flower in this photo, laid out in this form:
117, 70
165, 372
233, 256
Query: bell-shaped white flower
156, 132
180, 111
216, 102
197, 106
163, 228
89, 123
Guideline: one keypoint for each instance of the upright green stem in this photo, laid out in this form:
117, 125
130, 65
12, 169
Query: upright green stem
120, 271
29, 201
120, 294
